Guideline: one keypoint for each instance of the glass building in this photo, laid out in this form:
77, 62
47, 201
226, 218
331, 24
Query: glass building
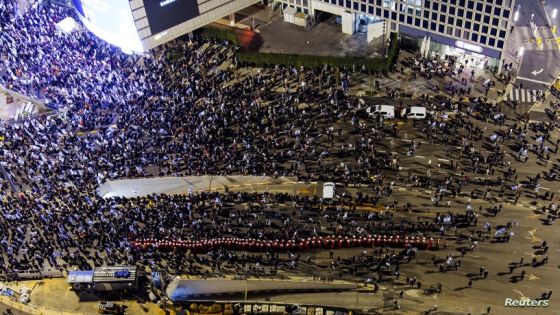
473, 29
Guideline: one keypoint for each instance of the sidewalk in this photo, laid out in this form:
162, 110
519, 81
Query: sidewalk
66, 302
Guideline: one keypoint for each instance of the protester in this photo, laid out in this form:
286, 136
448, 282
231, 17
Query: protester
188, 110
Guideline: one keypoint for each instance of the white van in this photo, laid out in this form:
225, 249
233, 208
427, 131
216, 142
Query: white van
414, 112
385, 111
328, 190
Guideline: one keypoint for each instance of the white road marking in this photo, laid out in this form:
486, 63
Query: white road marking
523, 297
533, 80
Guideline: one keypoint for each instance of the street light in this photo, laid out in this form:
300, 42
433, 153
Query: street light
554, 12
521, 51
516, 16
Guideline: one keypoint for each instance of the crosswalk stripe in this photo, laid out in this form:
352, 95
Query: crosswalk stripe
523, 95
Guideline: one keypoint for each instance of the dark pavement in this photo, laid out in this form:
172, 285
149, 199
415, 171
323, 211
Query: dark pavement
539, 65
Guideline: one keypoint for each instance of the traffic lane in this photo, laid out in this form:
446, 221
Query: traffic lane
495, 257
526, 9
539, 68
437, 153
431, 153
550, 6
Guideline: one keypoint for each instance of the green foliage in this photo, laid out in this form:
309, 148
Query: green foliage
266, 59
221, 34
371, 64
262, 59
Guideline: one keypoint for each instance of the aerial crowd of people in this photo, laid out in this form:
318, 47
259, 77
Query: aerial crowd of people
178, 113
189, 109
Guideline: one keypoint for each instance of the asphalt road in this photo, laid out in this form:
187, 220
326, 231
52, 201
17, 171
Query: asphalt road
549, 6
495, 257
539, 68
539, 65
526, 9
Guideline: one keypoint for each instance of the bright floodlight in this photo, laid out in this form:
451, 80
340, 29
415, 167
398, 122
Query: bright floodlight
554, 12
516, 16
112, 21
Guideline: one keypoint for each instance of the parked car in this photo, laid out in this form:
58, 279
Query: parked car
385, 111
414, 112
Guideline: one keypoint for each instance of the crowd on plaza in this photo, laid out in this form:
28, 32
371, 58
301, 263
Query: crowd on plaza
187, 110
174, 114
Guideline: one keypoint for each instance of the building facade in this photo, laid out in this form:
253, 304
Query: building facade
159, 21
474, 29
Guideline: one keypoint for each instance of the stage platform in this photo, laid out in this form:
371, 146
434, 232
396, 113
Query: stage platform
183, 185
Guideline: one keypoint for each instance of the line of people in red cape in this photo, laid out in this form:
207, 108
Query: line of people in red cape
327, 242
